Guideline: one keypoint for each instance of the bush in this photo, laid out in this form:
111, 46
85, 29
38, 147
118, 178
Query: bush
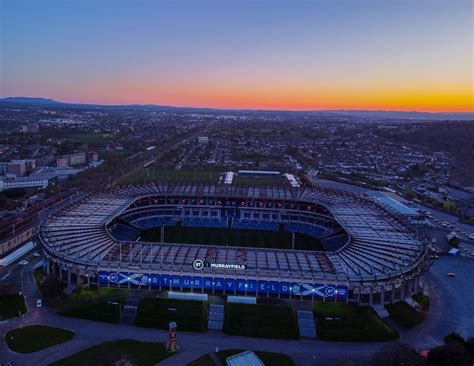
103, 311
11, 305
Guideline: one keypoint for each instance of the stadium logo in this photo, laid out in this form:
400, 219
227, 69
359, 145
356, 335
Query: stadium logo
198, 264
296, 289
113, 277
144, 279
330, 291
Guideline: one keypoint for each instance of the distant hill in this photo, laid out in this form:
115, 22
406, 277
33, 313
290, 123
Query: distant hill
30, 100
362, 114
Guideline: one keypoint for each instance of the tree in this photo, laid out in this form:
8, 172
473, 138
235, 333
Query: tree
469, 346
50, 287
398, 354
453, 337
14, 193
451, 354
3, 201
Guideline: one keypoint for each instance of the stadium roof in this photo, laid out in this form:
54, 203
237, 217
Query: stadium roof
263, 172
291, 178
393, 204
229, 177
379, 243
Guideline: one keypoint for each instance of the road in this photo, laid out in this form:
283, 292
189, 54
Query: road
162, 150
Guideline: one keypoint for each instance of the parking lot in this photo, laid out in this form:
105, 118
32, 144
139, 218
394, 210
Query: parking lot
455, 296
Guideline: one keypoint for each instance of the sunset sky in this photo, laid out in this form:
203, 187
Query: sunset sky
267, 54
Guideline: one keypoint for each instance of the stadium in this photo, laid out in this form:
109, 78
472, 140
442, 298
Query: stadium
294, 242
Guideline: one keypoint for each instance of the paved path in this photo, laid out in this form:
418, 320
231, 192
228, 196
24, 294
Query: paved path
192, 345
450, 312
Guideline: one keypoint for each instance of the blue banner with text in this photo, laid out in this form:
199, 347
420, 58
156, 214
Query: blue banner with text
176, 282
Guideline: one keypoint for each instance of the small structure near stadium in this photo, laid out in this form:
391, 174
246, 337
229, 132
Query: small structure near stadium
246, 358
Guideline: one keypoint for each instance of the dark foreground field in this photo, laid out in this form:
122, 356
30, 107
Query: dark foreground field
123, 352
350, 323
159, 312
263, 321
36, 337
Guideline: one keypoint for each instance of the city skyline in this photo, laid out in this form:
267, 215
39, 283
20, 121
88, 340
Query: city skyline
412, 55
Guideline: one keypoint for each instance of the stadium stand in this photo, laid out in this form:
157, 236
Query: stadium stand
368, 249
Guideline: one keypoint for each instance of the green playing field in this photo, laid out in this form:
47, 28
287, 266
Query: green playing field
232, 237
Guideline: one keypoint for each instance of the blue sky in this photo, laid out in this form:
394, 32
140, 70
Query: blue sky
371, 54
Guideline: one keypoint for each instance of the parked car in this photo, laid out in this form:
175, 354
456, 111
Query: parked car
24, 262
36, 254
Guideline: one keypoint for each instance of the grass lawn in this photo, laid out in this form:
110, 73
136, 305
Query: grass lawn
101, 311
404, 315
36, 337
86, 293
265, 321
11, 305
232, 237
259, 180
423, 300
268, 358
90, 138
123, 352
152, 174
189, 315
355, 324
205, 360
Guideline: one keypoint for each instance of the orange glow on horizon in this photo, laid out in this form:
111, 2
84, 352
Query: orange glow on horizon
452, 101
